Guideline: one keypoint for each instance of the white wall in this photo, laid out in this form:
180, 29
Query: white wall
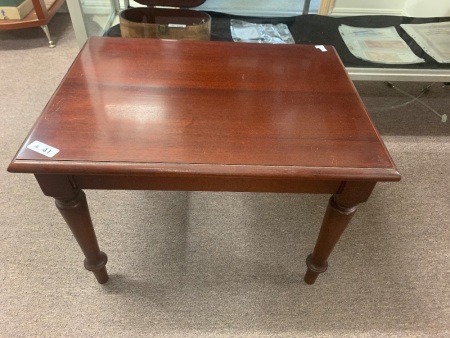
427, 8
258, 7
414, 8
368, 7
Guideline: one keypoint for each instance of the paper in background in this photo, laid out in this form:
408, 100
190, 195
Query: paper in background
380, 45
434, 38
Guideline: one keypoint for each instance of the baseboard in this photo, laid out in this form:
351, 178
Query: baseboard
339, 12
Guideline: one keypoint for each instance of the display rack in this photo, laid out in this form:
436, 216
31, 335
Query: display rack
40, 16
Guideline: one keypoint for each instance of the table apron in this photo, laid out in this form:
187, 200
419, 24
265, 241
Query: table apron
207, 183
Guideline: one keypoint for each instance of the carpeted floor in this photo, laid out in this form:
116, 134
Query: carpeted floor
224, 264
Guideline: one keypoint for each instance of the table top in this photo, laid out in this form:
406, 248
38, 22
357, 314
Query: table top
136, 106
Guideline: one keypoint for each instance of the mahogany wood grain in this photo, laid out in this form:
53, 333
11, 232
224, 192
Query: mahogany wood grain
212, 116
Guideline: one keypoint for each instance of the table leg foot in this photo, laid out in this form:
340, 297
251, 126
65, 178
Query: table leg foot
313, 270
98, 270
76, 214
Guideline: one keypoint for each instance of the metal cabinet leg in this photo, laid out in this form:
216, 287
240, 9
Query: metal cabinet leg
306, 6
51, 44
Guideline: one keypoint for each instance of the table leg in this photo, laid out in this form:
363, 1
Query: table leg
340, 210
71, 203
306, 6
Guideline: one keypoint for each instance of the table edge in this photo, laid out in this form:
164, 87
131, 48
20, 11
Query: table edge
202, 170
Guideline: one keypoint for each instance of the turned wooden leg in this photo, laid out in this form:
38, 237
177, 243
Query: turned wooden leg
71, 203
340, 210
77, 216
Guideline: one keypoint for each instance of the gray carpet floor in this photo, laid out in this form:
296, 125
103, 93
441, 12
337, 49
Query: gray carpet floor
194, 264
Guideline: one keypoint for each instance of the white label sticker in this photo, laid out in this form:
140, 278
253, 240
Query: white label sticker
43, 148
176, 25
321, 47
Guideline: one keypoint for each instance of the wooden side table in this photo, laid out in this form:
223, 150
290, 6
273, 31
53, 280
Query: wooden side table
205, 116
